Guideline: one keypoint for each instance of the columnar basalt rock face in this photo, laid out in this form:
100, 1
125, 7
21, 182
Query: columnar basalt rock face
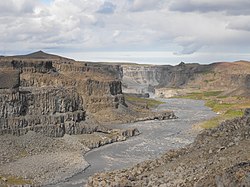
53, 95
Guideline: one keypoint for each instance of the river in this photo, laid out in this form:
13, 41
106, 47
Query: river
156, 138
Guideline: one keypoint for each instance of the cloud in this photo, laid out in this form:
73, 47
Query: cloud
234, 7
107, 8
142, 5
17, 8
240, 23
116, 33
177, 26
189, 45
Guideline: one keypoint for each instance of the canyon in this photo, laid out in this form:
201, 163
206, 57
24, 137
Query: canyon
166, 80
56, 96
57, 108
218, 156
44, 99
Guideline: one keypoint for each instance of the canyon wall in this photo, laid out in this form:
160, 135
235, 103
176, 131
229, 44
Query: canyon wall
140, 78
232, 78
54, 95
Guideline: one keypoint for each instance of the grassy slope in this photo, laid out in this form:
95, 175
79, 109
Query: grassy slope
225, 107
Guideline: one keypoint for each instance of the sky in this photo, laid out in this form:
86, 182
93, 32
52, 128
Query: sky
143, 31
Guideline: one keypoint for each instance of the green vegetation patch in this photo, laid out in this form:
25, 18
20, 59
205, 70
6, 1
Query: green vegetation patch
218, 106
150, 103
234, 113
193, 95
200, 95
14, 181
226, 107
212, 93
214, 122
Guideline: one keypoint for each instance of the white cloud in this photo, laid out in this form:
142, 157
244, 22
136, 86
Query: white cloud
17, 8
190, 26
240, 23
235, 7
142, 5
107, 8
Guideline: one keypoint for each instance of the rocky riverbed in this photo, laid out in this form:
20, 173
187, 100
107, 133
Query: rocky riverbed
155, 139
218, 157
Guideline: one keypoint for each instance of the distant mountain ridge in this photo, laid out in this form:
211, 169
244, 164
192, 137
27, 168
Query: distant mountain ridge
37, 55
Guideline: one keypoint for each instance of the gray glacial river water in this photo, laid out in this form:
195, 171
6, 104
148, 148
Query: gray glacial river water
156, 138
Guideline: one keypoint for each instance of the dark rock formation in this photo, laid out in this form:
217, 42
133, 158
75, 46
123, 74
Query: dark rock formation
53, 95
110, 136
159, 116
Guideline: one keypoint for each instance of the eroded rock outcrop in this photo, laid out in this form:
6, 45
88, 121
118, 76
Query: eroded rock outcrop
99, 139
53, 95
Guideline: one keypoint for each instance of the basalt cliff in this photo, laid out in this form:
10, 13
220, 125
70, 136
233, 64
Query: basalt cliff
54, 95
166, 80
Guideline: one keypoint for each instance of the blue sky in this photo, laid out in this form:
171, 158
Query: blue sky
144, 31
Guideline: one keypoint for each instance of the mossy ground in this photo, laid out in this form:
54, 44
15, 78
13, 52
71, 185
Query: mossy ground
226, 107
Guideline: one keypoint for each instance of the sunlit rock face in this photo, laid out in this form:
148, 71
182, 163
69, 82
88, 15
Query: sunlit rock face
54, 95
